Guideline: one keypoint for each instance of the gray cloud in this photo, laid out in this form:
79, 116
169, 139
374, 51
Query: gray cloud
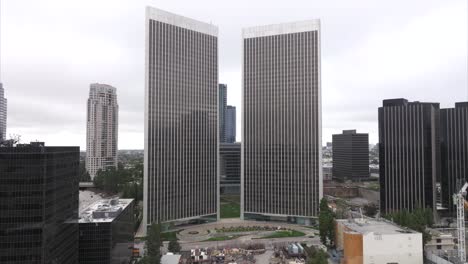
371, 50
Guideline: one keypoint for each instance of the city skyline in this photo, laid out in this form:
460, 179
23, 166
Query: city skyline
368, 58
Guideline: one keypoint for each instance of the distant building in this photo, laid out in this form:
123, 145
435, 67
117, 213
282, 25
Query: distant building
102, 129
230, 166
3, 113
39, 204
181, 120
329, 145
409, 155
282, 143
327, 172
351, 155
222, 99
373, 241
230, 124
106, 232
454, 149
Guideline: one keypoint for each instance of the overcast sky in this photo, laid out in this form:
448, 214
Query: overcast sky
371, 50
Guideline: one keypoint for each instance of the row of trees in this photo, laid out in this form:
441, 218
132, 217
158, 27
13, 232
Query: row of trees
418, 220
126, 181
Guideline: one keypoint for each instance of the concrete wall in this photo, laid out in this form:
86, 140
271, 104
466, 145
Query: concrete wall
341, 192
353, 248
393, 248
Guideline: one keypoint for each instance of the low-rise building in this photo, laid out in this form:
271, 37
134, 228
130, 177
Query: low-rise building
442, 241
106, 232
372, 241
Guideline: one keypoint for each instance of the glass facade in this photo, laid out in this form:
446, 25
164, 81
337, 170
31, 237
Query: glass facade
230, 124
230, 165
351, 155
181, 131
222, 94
107, 241
38, 204
454, 152
409, 152
282, 121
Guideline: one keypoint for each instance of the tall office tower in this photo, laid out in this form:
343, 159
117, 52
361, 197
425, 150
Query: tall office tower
222, 95
230, 167
3, 113
454, 152
39, 204
230, 116
351, 155
102, 128
409, 155
281, 152
181, 122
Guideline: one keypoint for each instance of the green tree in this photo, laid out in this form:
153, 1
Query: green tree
418, 220
83, 174
370, 209
153, 245
326, 224
319, 257
174, 246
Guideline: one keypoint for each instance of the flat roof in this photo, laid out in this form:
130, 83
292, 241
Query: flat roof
170, 259
180, 21
281, 29
365, 226
104, 210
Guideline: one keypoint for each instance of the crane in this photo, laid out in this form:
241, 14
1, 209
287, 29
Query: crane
460, 202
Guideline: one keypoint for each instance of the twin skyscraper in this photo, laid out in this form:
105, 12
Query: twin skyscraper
281, 176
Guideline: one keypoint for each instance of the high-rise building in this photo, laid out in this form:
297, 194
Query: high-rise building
230, 165
454, 152
351, 155
230, 124
102, 128
106, 232
222, 97
3, 113
181, 120
39, 204
281, 152
409, 155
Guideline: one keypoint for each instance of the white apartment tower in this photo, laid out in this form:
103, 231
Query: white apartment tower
102, 128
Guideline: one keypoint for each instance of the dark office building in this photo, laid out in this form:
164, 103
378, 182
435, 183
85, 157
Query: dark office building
351, 155
181, 120
454, 151
281, 159
230, 166
409, 155
106, 232
222, 99
39, 204
230, 124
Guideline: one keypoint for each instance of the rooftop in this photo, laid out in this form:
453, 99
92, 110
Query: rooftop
181, 21
104, 210
280, 29
365, 226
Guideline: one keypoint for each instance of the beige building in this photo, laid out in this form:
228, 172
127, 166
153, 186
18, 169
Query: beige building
102, 128
371, 241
